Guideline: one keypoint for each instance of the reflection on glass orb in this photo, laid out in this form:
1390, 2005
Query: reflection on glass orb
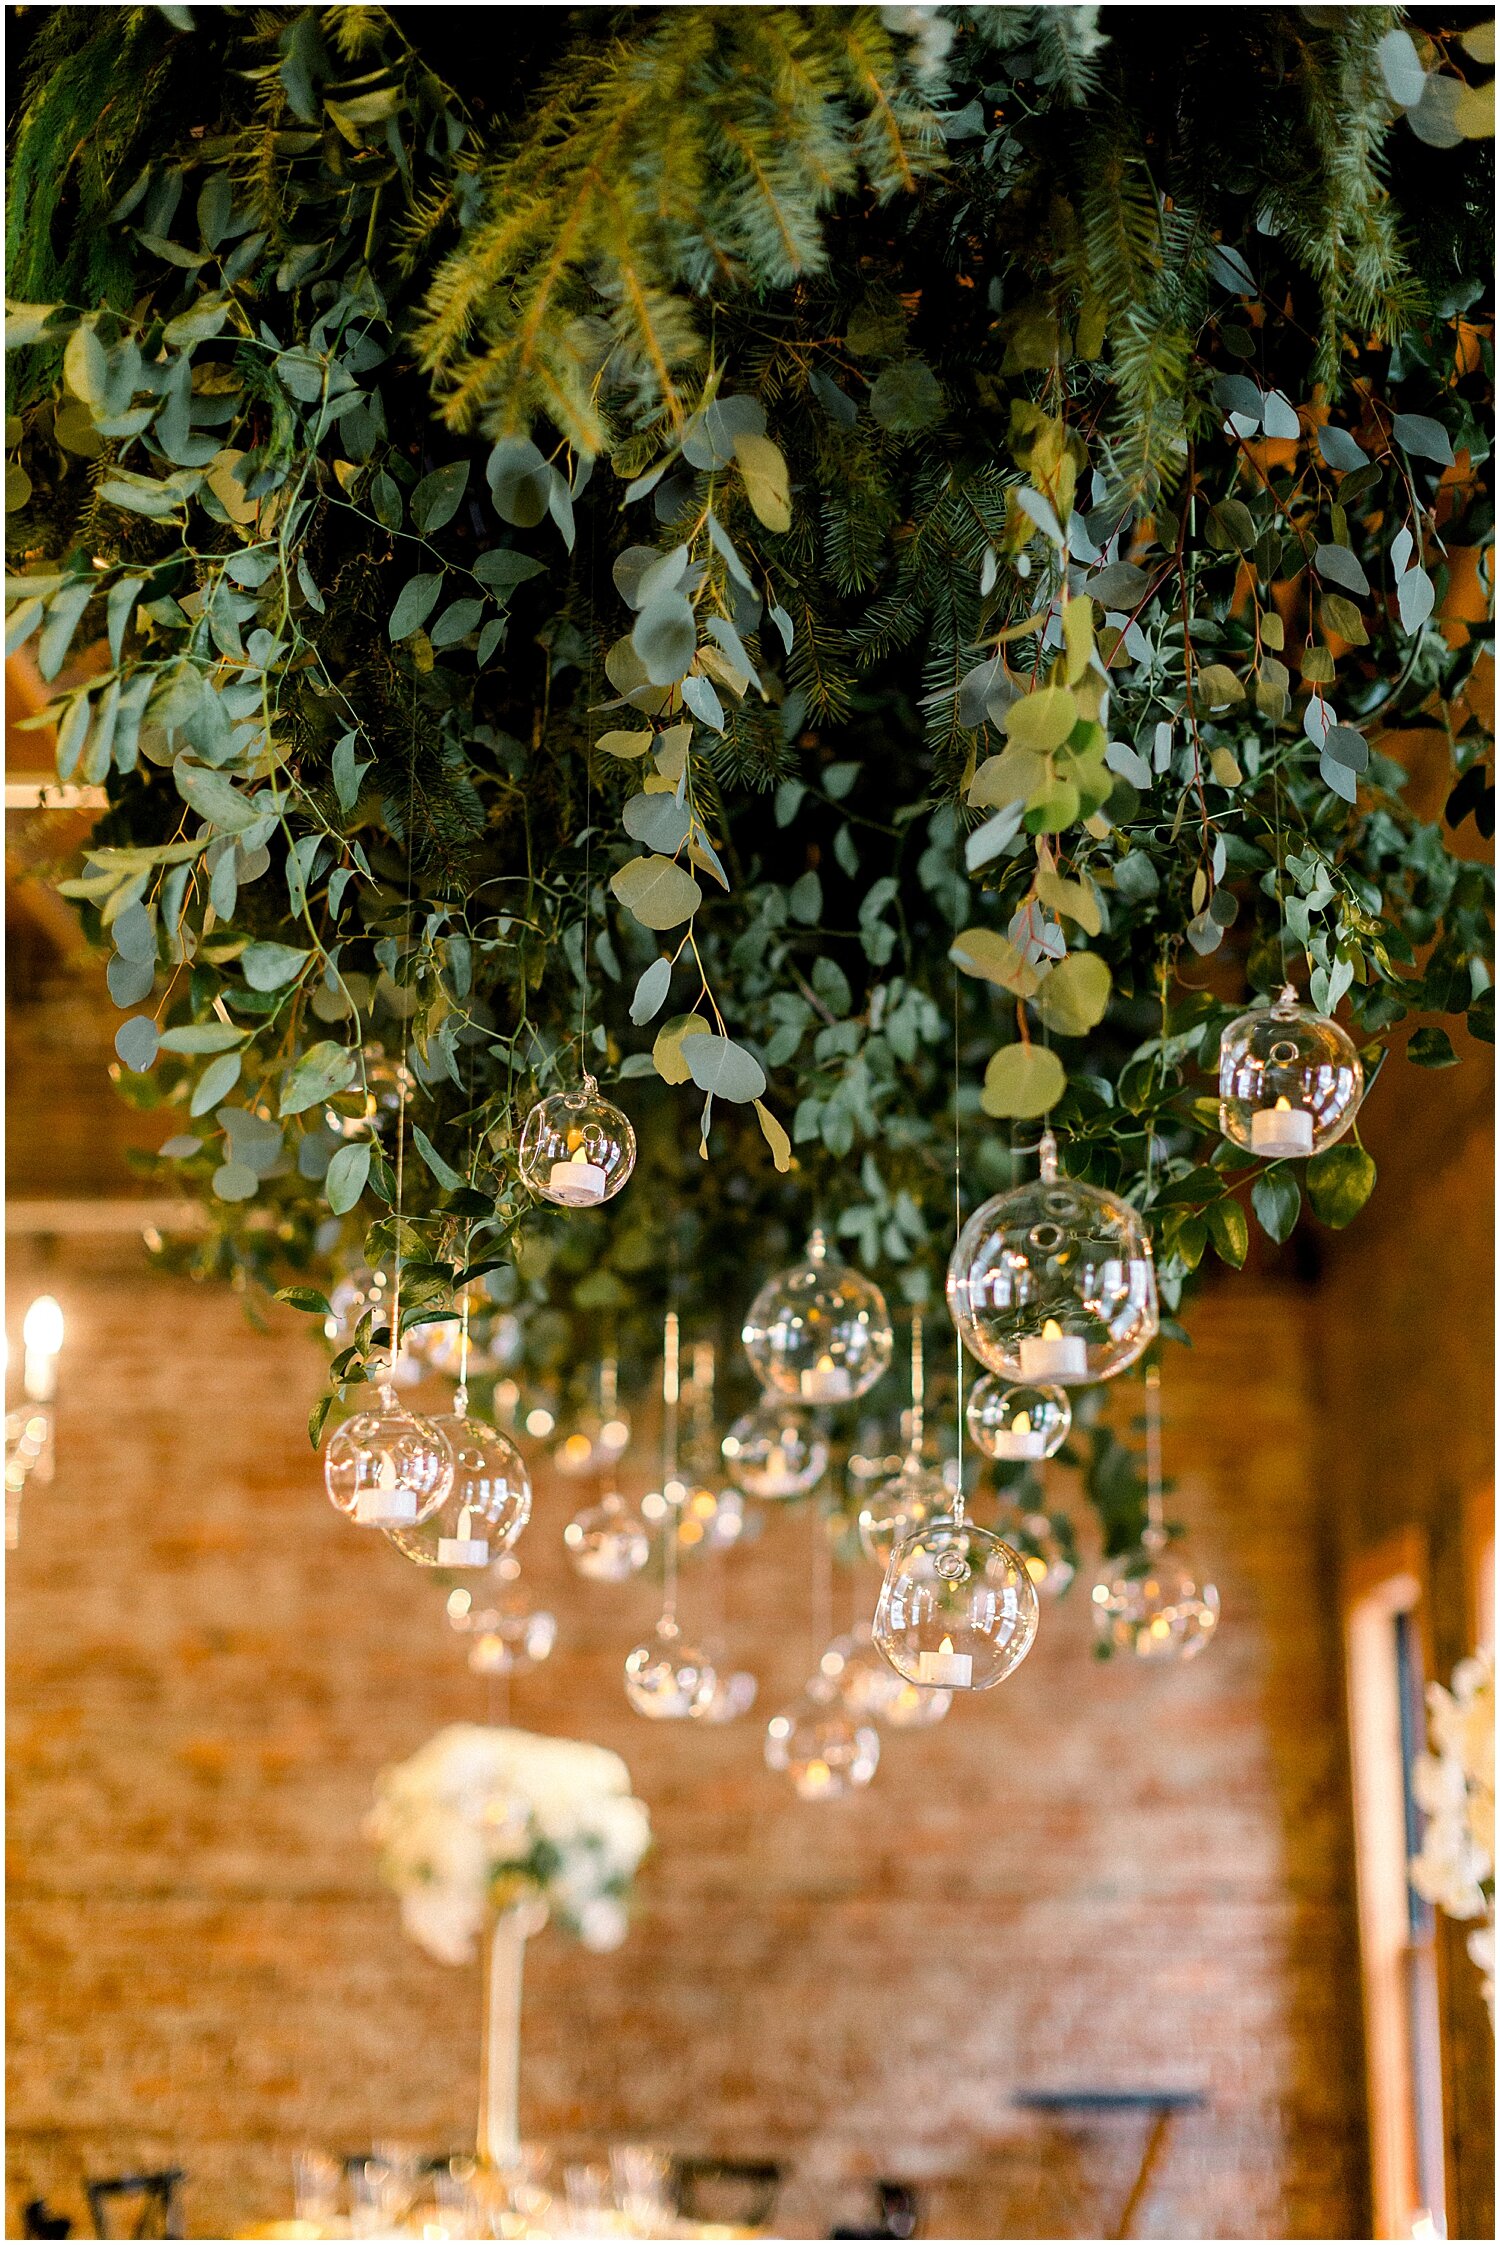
957, 1608
820, 1746
774, 1451
576, 1149
388, 1468
1013, 1423
509, 1634
1046, 1557
371, 1108
606, 1541
819, 1332
710, 1519
896, 1508
485, 1509
1290, 1080
593, 1443
666, 1679
733, 1695
1053, 1282
1147, 1602
873, 1692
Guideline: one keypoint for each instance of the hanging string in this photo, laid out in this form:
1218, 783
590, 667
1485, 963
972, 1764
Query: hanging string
588, 833
822, 1581
400, 1182
670, 1487
958, 1225
918, 1386
461, 1397
1154, 1524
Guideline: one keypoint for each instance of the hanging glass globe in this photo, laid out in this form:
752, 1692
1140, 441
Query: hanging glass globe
1148, 1602
733, 1695
592, 1444
896, 1508
819, 1332
388, 1468
487, 1506
576, 1149
709, 1519
817, 1743
1290, 1080
371, 1108
1016, 1423
774, 1451
607, 1542
1053, 1282
509, 1634
1042, 1549
957, 1608
873, 1692
666, 1679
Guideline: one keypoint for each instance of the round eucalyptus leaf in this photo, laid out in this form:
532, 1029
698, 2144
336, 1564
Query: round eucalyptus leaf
137, 1041
907, 397
666, 638
233, 1180
129, 980
519, 482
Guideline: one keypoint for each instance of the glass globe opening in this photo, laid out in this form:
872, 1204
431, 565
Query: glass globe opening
576, 1149
775, 1452
486, 1508
1053, 1283
819, 1332
1290, 1080
1017, 1424
388, 1468
957, 1608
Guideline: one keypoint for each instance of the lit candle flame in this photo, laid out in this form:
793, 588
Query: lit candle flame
1051, 1330
946, 1647
1283, 1107
1021, 1423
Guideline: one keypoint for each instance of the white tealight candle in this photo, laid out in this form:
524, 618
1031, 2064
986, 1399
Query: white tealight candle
463, 1548
1054, 1354
945, 1666
1020, 1439
826, 1382
1281, 1131
578, 1181
389, 1503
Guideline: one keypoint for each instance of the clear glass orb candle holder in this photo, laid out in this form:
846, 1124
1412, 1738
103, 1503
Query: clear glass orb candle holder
1053, 1283
594, 1443
1290, 1080
957, 1608
733, 1695
775, 1452
1015, 1423
666, 1679
820, 1332
576, 1149
388, 1468
709, 1519
1042, 1549
820, 1747
1150, 1604
873, 1692
896, 1508
485, 1509
607, 1542
509, 1634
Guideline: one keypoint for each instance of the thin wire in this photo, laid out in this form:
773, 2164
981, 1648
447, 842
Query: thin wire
822, 1580
403, 1070
1153, 1446
918, 1386
670, 1390
588, 834
958, 1225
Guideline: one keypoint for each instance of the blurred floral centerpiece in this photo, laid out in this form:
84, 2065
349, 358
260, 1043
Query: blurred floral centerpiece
488, 1833
1454, 1784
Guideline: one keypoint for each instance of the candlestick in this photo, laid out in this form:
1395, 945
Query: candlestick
577, 1180
826, 1382
463, 1548
945, 1666
1054, 1354
1281, 1131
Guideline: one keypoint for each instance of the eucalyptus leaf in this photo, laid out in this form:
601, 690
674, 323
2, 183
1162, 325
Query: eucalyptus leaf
323, 1071
720, 1066
651, 991
656, 892
346, 1176
1022, 1082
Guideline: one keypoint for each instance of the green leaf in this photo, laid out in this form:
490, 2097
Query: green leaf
651, 991
666, 638
767, 485
1074, 997
659, 820
214, 797
438, 496
63, 612
204, 1036
1339, 1182
718, 1065
457, 620
305, 1298
414, 604
1042, 721
907, 397
137, 1042
1229, 1229
519, 482
446, 1175
323, 1071
233, 1180
991, 956
1022, 1081
503, 568
1276, 1198
267, 966
658, 893
346, 1176
219, 1076
1431, 1048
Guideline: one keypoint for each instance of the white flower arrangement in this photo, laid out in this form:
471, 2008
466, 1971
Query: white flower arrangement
481, 1819
1454, 1784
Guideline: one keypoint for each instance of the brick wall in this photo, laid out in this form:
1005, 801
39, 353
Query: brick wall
1089, 1878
